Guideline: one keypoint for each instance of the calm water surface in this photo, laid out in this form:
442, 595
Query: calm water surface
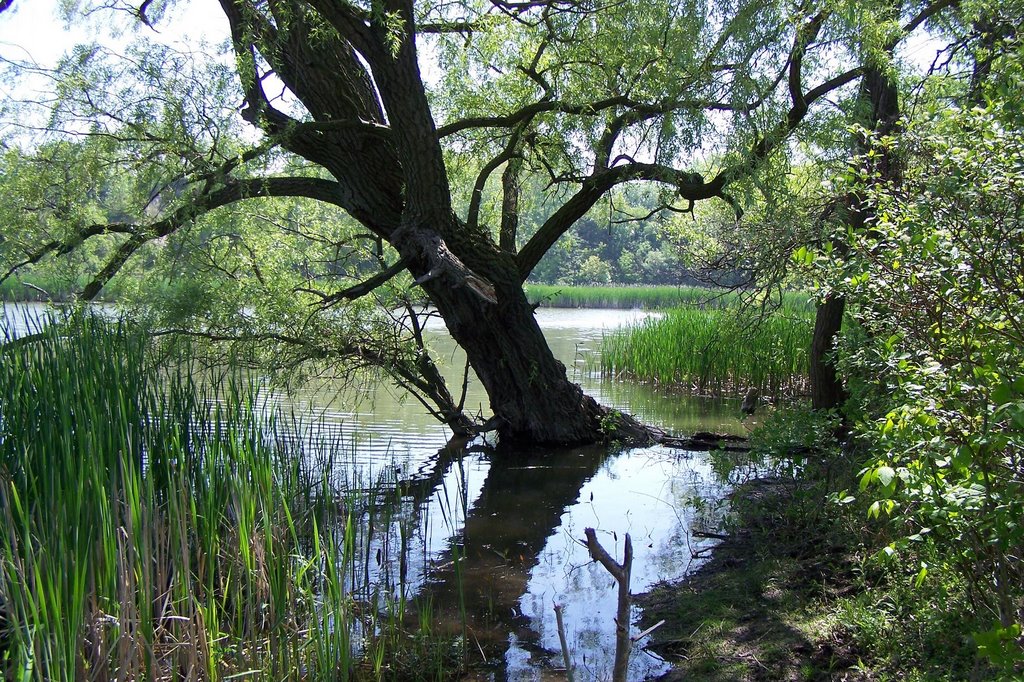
492, 541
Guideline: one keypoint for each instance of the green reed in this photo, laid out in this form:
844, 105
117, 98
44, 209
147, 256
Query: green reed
714, 351
156, 527
654, 297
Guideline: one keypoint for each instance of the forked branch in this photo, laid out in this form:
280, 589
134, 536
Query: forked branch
621, 573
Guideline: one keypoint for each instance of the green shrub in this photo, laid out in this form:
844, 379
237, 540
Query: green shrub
937, 363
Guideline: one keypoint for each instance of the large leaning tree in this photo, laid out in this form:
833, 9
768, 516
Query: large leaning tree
417, 121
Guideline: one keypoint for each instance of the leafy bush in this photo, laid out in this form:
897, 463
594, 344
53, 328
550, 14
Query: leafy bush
937, 290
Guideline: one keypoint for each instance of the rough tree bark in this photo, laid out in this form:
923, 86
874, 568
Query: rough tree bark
375, 134
826, 388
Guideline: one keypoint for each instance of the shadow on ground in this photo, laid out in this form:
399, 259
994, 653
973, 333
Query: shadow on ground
753, 611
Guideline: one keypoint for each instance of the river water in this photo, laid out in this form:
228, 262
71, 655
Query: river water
492, 541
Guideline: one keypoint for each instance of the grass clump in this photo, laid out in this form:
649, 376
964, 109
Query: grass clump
713, 351
647, 297
153, 528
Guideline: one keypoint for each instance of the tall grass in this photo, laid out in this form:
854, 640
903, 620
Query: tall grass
649, 297
714, 351
152, 528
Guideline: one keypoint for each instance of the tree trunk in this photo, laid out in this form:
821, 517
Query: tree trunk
475, 285
376, 135
530, 394
826, 390
880, 98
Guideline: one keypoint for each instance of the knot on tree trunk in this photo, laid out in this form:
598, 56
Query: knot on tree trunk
427, 246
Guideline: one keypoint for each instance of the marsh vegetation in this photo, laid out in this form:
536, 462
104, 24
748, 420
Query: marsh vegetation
159, 527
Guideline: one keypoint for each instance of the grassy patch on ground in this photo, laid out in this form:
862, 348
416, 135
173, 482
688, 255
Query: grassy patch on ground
796, 592
752, 612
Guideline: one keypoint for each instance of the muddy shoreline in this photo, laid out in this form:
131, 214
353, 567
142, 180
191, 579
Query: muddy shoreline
755, 610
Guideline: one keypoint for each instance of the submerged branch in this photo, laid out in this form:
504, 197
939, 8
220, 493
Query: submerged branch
704, 441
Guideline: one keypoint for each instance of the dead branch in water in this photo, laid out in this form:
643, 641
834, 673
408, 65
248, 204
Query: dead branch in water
705, 441
623, 643
565, 646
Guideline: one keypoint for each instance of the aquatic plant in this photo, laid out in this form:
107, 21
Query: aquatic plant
155, 526
653, 297
714, 351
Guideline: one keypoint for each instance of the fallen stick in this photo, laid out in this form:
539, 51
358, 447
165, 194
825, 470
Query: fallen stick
637, 638
708, 535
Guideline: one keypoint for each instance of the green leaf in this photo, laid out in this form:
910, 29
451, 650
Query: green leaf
999, 645
1002, 394
867, 478
921, 575
888, 426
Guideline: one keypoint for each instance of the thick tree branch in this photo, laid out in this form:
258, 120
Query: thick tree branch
926, 13
354, 25
311, 188
445, 27
510, 191
358, 125
689, 186
511, 149
60, 248
590, 108
774, 138
801, 101
419, 377
247, 30
805, 36
116, 262
605, 145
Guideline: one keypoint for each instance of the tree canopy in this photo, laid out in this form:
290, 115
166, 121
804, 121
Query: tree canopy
297, 187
